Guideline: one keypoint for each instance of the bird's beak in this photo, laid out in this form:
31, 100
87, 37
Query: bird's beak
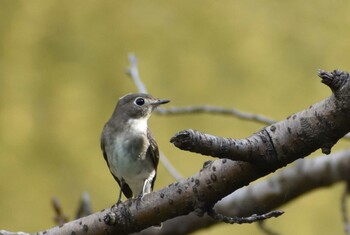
159, 102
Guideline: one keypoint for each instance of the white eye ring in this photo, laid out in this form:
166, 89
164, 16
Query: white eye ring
139, 101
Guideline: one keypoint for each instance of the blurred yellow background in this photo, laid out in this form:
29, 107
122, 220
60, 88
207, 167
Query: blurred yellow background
62, 70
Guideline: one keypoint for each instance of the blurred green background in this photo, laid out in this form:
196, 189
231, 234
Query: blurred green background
62, 70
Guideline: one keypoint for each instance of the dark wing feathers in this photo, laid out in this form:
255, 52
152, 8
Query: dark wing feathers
153, 152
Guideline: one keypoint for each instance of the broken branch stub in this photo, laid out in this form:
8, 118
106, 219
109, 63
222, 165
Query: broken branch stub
319, 126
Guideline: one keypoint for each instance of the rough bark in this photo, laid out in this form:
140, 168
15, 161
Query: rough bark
305, 176
319, 126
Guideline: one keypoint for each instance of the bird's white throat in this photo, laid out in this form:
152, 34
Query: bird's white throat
138, 125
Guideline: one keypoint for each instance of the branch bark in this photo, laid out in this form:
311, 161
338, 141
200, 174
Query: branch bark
319, 126
266, 195
305, 176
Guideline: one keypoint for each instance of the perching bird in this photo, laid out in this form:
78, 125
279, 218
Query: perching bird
128, 146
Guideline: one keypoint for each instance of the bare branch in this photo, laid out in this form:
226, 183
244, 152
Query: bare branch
133, 72
59, 218
4, 232
84, 208
213, 181
242, 220
170, 167
320, 126
216, 110
196, 193
305, 176
344, 210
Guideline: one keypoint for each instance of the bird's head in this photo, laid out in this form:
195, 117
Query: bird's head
138, 105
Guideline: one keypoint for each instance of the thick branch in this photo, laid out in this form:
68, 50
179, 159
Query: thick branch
319, 126
196, 193
213, 182
263, 196
305, 176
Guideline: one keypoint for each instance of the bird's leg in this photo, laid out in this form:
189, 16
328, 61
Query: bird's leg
138, 200
122, 182
147, 188
120, 194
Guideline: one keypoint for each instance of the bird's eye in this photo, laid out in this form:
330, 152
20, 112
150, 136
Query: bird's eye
140, 101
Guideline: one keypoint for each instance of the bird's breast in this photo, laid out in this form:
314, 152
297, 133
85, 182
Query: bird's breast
128, 156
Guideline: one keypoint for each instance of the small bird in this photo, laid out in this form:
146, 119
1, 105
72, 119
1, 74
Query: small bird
128, 146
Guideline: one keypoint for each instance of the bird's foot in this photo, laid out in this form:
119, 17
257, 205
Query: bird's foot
114, 206
139, 200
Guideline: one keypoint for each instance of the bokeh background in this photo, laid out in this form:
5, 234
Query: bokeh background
62, 70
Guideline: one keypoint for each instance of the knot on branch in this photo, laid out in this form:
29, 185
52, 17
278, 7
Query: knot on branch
120, 216
335, 79
183, 139
257, 149
206, 144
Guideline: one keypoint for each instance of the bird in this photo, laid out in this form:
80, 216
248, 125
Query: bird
128, 146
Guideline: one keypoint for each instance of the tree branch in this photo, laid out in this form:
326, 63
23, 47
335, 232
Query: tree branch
133, 72
216, 110
344, 210
266, 195
170, 167
305, 176
240, 220
319, 126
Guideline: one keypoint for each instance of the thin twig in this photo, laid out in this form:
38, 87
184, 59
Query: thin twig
133, 72
268, 194
84, 206
4, 232
344, 210
243, 220
59, 218
170, 167
216, 110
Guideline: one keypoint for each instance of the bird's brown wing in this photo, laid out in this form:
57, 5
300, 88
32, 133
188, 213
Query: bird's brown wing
124, 187
153, 153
